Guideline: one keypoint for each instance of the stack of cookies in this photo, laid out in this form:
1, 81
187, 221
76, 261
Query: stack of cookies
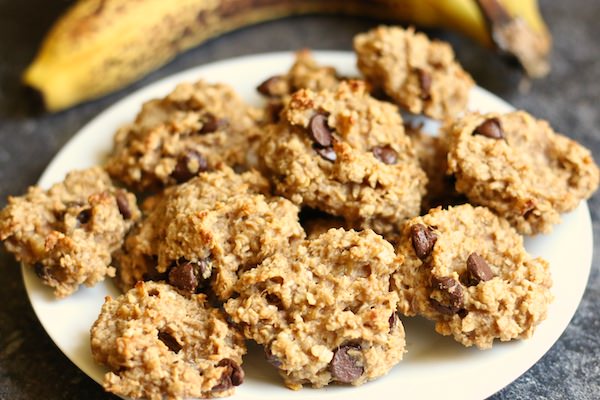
310, 226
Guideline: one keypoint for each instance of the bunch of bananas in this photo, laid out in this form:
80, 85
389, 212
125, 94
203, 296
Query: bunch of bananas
99, 46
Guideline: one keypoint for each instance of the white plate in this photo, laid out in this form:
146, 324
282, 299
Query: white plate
433, 366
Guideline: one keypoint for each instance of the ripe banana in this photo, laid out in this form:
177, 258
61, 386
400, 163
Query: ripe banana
99, 46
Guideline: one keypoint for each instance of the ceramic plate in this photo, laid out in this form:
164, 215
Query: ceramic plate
433, 366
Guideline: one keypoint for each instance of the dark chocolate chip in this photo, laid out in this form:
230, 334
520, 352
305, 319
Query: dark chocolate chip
393, 321
41, 270
452, 292
424, 84
270, 86
423, 239
84, 216
232, 376
320, 131
327, 153
274, 109
123, 205
184, 277
189, 164
479, 269
344, 366
385, 154
272, 359
490, 128
169, 341
210, 123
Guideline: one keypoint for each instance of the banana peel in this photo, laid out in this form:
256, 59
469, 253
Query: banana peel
99, 46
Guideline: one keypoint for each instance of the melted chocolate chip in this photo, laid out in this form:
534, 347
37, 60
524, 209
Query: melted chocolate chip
232, 376
188, 165
490, 128
393, 321
169, 341
344, 366
478, 268
423, 239
385, 154
320, 131
123, 205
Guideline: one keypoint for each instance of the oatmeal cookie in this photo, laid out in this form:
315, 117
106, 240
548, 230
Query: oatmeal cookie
420, 75
202, 232
67, 233
305, 73
324, 310
345, 153
189, 131
467, 269
520, 168
160, 344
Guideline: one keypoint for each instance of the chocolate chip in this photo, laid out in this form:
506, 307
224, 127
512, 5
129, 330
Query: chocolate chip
189, 164
320, 131
184, 277
274, 109
452, 295
490, 128
385, 154
272, 359
210, 123
271, 86
327, 153
423, 240
479, 269
424, 83
84, 216
232, 376
169, 341
41, 270
344, 366
123, 205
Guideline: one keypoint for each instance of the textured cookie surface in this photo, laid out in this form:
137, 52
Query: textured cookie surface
520, 168
189, 131
345, 153
324, 310
202, 232
467, 270
160, 344
420, 75
68, 233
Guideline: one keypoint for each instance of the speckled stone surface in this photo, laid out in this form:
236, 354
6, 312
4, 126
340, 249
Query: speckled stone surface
32, 367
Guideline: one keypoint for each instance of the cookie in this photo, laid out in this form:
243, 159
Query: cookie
420, 75
200, 234
68, 233
324, 310
432, 152
158, 343
305, 73
345, 153
520, 168
189, 131
467, 269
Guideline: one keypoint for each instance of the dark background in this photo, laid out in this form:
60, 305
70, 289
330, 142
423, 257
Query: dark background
32, 367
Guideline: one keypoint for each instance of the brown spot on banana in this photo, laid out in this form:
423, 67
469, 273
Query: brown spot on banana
99, 46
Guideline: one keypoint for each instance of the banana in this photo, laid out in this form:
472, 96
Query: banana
99, 46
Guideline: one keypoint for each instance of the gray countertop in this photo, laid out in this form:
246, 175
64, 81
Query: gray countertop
32, 367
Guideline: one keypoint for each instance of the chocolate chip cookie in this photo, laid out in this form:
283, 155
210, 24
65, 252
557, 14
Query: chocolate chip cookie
324, 310
189, 131
420, 75
158, 343
520, 168
467, 269
202, 233
345, 153
68, 233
